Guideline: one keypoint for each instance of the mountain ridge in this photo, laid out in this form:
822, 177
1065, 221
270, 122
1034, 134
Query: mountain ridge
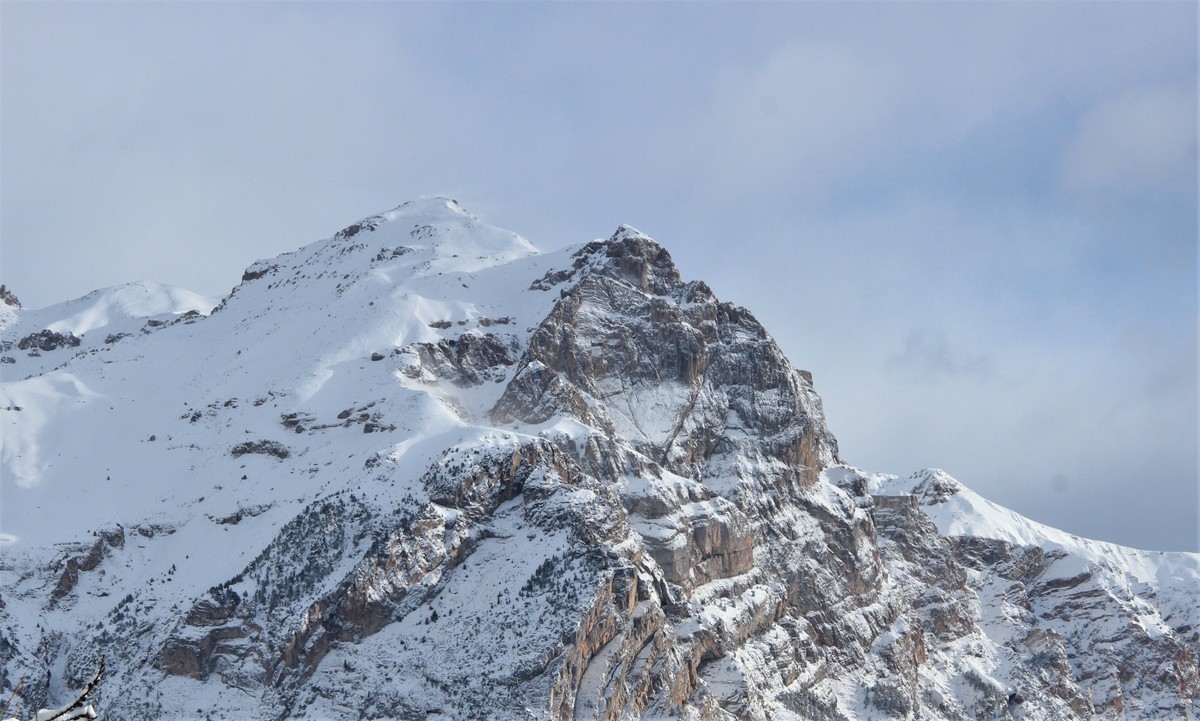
452, 475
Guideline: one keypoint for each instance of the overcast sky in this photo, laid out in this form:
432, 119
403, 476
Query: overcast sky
975, 224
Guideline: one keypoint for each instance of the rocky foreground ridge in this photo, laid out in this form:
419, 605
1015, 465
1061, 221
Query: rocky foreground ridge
421, 471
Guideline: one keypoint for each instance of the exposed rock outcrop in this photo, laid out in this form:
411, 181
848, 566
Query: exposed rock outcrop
7, 297
48, 340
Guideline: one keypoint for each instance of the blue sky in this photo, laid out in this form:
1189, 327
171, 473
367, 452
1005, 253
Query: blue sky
975, 223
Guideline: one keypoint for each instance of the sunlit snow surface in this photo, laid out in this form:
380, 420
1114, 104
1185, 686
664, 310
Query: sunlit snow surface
298, 339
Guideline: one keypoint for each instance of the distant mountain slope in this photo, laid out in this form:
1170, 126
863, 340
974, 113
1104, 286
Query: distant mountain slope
420, 470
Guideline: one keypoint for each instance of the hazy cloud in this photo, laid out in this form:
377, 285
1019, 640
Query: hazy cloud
927, 357
809, 116
1142, 141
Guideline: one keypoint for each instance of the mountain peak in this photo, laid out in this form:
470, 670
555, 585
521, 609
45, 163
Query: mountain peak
429, 206
634, 256
428, 483
424, 210
628, 232
439, 224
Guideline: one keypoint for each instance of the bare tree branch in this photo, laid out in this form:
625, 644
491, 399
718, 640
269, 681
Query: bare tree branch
11, 696
76, 709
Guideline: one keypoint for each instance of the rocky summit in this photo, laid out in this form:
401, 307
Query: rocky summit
420, 470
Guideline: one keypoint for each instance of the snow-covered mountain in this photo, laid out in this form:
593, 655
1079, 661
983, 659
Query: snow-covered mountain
420, 470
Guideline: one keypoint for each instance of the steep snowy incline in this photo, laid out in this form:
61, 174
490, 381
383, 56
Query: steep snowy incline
294, 339
35, 346
29, 337
114, 308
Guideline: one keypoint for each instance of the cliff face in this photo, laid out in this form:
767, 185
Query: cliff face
419, 470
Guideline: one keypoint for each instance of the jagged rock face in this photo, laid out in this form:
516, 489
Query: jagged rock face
7, 297
559, 487
469, 360
632, 350
47, 340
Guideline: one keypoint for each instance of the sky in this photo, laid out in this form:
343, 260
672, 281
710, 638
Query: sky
976, 224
